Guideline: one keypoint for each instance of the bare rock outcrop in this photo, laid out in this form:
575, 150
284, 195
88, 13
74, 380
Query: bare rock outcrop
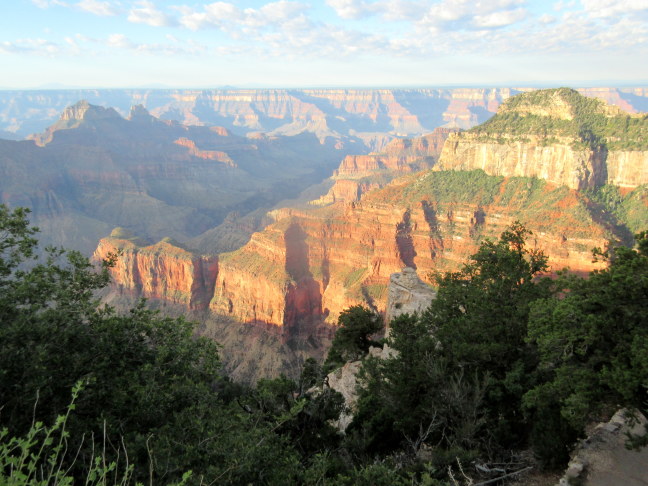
603, 460
407, 294
345, 381
557, 163
557, 135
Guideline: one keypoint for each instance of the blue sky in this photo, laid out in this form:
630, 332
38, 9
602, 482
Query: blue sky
331, 43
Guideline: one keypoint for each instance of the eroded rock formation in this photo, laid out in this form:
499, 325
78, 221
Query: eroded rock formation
302, 270
603, 459
162, 271
407, 294
359, 174
309, 265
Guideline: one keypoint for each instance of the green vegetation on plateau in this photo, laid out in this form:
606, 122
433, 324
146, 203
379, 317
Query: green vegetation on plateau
563, 112
526, 198
630, 209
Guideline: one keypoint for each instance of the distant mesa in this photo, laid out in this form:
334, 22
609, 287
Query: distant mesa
74, 116
83, 110
139, 113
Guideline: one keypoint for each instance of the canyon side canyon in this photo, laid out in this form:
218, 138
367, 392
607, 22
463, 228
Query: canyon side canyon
199, 216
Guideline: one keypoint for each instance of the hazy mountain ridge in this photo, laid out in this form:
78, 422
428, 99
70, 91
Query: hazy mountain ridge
369, 116
365, 115
94, 170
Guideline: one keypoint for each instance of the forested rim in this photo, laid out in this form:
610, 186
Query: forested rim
503, 370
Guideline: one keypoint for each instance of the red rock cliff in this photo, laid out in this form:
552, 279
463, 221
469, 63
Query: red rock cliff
345, 253
162, 271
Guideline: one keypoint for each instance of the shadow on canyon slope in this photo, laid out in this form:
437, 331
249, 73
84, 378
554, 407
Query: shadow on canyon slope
303, 315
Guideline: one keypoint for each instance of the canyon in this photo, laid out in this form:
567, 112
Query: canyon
420, 203
233, 226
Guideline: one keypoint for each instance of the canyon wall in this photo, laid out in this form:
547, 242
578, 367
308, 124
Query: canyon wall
627, 169
557, 135
311, 263
558, 163
358, 174
163, 271
345, 253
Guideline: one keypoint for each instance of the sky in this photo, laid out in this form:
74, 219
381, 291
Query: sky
327, 43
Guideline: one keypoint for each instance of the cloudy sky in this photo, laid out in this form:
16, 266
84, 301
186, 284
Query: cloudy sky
328, 43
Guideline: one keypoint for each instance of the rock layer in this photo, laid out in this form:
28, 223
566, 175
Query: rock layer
557, 163
559, 136
359, 174
344, 254
163, 271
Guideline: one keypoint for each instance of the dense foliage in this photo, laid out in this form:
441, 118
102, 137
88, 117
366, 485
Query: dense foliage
353, 338
503, 360
588, 123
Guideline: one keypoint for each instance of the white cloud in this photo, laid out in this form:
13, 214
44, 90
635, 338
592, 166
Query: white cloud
401, 9
243, 23
500, 19
40, 47
175, 47
48, 3
457, 15
563, 5
120, 41
274, 13
612, 8
97, 7
546, 19
390, 10
418, 28
214, 15
351, 9
146, 13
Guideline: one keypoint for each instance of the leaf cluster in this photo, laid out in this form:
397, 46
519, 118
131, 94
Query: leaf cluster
353, 338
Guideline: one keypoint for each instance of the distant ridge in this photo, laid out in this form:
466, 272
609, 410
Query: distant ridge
372, 116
